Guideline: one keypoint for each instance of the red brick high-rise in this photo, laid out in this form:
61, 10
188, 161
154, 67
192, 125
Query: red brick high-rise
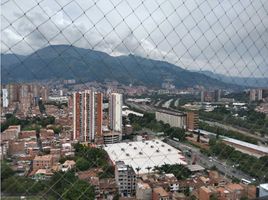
87, 116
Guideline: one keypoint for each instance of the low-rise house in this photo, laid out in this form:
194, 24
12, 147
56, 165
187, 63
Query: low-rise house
42, 162
68, 165
160, 194
143, 191
11, 133
42, 174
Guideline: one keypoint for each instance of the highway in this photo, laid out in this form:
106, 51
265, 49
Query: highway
229, 127
149, 108
202, 159
207, 162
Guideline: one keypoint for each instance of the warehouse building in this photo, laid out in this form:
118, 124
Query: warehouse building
143, 156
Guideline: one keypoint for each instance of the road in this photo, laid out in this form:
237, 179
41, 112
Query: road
229, 127
142, 107
207, 162
167, 103
148, 108
202, 159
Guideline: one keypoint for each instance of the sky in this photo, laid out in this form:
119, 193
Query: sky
226, 37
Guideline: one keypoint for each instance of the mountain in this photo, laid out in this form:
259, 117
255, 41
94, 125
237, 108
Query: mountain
58, 62
9, 59
243, 81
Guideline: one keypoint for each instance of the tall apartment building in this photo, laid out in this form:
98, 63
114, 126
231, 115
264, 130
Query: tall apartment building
252, 95
217, 95
5, 98
202, 96
26, 92
174, 119
13, 92
115, 112
192, 120
87, 116
125, 178
259, 94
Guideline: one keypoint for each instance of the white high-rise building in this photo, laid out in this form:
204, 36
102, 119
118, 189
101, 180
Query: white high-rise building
115, 112
5, 98
252, 95
87, 116
259, 94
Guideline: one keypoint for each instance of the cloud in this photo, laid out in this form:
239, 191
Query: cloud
228, 37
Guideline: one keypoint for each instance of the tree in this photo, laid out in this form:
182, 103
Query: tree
57, 129
187, 191
82, 164
108, 172
217, 133
19, 185
138, 169
59, 181
213, 197
179, 171
198, 136
6, 171
212, 141
79, 190
148, 168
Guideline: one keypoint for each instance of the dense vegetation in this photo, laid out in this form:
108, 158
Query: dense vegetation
28, 123
68, 186
227, 133
149, 121
88, 157
62, 185
256, 167
179, 171
15, 185
246, 118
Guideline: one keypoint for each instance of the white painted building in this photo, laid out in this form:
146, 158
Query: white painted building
171, 118
143, 154
5, 97
115, 112
263, 190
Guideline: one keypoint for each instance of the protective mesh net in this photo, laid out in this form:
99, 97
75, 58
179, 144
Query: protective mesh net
188, 44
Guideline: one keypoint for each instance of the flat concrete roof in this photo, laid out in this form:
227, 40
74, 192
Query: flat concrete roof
238, 142
248, 145
169, 112
194, 168
143, 154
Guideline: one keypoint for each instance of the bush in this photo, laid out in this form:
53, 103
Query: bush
82, 164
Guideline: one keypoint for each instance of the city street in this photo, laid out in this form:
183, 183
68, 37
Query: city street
207, 162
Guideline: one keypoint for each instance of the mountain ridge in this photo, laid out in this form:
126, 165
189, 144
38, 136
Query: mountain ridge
70, 62
243, 81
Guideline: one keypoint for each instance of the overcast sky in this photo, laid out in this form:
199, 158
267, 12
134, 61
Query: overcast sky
228, 37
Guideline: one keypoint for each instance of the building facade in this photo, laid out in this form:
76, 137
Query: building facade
87, 115
192, 120
115, 112
259, 94
5, 97
252, 95
171, 118
42, 162
125, 178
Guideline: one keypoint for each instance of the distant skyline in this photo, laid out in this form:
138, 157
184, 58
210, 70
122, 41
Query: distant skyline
227, 37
